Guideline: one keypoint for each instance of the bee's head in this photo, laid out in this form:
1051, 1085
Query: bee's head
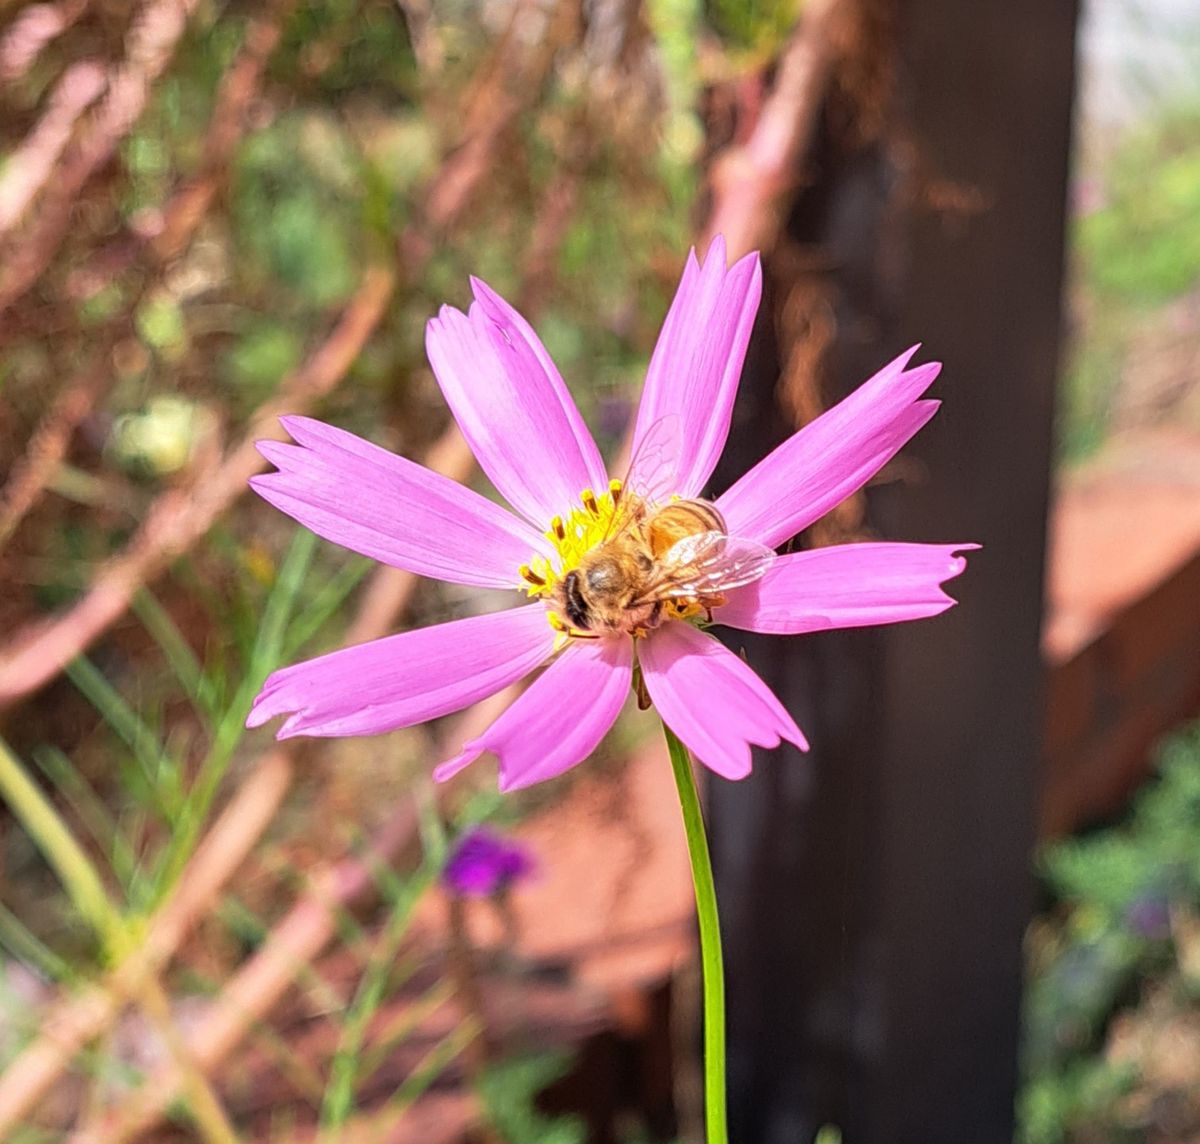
573, 602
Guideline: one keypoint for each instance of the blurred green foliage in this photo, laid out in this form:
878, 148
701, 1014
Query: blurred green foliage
509, 1091
1126, 925
1135, 249
296, 203
1142, 246
759, 26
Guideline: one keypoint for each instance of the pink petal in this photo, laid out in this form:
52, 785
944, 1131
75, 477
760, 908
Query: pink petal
513, 407
847, 586
831, 457
712, 700
696, 365
559, 720
406, 678
384, 506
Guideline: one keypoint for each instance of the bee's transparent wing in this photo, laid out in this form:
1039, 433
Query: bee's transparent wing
655, 462
708, 563
649, 479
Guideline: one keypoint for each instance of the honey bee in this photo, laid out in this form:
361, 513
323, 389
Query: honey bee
660, 560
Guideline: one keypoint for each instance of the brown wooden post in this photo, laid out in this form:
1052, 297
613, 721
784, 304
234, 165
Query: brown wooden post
875, 893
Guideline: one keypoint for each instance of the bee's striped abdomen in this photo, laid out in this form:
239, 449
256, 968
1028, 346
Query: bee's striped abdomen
673, 522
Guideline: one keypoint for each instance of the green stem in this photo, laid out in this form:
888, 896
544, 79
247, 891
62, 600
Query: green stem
710, 941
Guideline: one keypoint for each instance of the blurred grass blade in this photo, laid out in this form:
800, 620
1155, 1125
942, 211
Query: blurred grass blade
25, 947
231, 726
178, 653
59, 847
350, 1066
404, 1025
280, 604
324, 605
370, 994
160, 773
90, 809
249, 928
432, 1065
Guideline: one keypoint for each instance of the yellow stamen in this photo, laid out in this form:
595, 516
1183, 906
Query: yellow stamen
571, 537
580, 532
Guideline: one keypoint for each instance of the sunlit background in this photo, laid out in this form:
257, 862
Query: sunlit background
212, 213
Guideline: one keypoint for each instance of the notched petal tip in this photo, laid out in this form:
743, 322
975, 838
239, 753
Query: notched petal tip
956, 561
956, 565
491, 301
289, 730
506, 784
277, 452
925, 374
264, 445
295, 423
718, 249
713, 700
258, 716
444, 772
532, 740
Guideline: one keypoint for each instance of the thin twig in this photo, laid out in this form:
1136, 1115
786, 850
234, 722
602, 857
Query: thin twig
176, 521
149, 47
79, 1019
510, 81
239, 87
84, 1017
312, 923
32, 162
295, 942
31, 30
212, 1121
750, 179
178, 518
49, 443
181, 218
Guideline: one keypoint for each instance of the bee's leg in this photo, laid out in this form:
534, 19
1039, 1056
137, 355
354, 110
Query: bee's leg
560, 625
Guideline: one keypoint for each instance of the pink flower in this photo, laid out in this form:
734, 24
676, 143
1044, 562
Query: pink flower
530, 440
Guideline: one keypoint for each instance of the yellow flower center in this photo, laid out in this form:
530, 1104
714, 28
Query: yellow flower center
573, 538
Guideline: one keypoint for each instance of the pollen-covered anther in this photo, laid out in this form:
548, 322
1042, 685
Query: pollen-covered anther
686, 608
614, 491
556, 526
588, 497
531, 577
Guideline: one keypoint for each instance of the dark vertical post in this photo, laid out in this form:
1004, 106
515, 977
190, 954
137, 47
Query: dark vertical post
875, 894
991, 91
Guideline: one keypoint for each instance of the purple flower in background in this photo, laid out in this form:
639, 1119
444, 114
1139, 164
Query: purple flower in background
574, 541
484, 863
